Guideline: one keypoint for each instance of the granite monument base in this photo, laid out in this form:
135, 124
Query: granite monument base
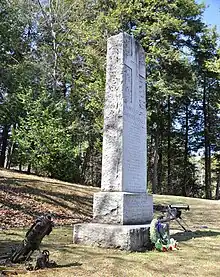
124, 237
123, 208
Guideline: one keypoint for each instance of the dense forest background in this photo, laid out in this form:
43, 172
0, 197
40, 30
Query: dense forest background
52, 85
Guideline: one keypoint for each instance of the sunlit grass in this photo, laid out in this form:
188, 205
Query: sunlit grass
198, 255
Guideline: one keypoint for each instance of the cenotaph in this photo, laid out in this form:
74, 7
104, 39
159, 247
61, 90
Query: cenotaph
122, 210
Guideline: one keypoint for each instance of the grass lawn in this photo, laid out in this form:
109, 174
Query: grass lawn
26, 196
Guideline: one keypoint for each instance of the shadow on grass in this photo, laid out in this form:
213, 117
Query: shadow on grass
13, 233
7, 246
68, 265
33, 195
185, 236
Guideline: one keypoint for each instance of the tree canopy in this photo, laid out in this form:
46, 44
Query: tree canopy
52, 87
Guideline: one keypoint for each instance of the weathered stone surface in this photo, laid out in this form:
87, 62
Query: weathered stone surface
122, 208
124, 237
124, 159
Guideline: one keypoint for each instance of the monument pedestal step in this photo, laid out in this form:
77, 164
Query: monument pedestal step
124, 237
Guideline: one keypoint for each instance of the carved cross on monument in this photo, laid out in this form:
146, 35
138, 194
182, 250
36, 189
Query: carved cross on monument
134, 69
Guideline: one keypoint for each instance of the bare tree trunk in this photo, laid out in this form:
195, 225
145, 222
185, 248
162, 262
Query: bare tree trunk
29, 168
160, 170
4, 145
184, 193
9, 155
50, 21
160, 151
155, 166
217, 187
169, 148
208, 192
11, 150
209, 143
54, 40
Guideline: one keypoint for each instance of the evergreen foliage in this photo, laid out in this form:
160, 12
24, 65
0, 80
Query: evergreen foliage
52, 86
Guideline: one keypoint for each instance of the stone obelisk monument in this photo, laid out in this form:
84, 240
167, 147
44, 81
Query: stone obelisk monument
122, 210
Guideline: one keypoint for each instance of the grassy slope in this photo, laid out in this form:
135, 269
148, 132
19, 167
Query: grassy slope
26, 196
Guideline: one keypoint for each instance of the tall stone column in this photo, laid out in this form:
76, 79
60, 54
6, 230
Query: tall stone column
122, 209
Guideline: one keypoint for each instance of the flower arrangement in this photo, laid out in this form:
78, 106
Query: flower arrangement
160, 237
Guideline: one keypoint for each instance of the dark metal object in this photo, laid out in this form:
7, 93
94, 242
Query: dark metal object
42, 260
173, 212
41, 227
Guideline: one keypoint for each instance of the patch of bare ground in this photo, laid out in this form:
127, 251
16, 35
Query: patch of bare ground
24, 197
